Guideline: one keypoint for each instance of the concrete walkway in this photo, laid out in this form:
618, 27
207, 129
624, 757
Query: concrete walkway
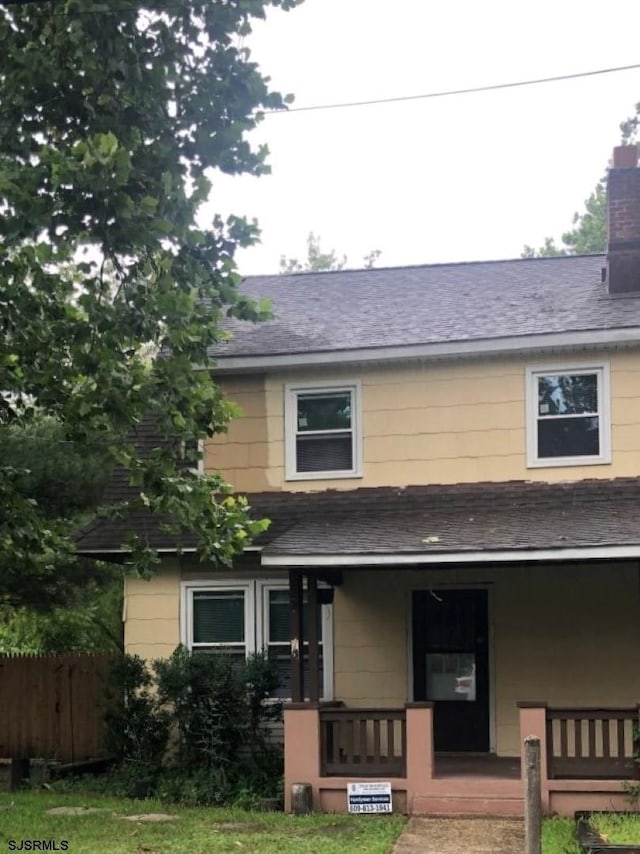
461, 836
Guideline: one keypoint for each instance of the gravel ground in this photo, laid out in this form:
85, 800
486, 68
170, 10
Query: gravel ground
461, 836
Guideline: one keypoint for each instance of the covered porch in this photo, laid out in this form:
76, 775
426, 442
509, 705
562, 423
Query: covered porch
461, 650
465, 618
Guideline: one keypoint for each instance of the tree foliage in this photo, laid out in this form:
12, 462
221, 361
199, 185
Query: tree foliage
113, 121
588, 235
318, 261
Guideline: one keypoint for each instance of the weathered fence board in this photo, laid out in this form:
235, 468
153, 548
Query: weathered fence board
53, 706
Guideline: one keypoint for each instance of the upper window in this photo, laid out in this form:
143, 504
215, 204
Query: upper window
568, 416
322, 433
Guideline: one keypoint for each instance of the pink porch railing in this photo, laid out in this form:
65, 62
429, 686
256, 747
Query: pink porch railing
586, 755
363, 742
592, 743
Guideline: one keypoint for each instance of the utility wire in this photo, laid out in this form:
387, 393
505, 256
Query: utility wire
447, 93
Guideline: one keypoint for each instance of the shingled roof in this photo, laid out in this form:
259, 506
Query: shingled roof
384, 309
340, 311
460, 519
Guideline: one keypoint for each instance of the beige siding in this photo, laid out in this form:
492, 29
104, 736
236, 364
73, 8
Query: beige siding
567, 635
449, 422
152, 613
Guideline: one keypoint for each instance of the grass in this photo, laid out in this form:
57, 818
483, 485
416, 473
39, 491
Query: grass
559, 836
194, 830
619, 829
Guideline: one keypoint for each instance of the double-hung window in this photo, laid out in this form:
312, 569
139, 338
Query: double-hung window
239, 618
568, 421
276, 637
323, 431
220, 619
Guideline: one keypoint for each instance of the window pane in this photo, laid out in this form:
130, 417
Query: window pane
324, 453
567, 394
324, 411
218, 616
568, 437
451, 676
279, 618
282, 658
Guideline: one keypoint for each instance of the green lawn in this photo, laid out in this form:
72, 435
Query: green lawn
623, 829
559, 836
194, 830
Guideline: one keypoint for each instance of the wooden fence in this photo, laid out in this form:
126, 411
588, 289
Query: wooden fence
52, 706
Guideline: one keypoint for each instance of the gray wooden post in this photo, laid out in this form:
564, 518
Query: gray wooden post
532, 796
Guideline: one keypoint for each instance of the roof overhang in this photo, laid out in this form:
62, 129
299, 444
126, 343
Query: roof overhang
292, 561
513, 345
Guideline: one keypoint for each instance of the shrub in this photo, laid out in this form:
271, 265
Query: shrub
213, 711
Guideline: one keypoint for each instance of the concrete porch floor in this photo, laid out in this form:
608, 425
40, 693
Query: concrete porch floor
477, 765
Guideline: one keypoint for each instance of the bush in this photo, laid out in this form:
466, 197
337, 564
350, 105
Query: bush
213, 712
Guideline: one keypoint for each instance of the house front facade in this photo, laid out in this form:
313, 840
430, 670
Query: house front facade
450, 457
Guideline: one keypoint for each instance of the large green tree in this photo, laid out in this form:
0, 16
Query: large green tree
114, 118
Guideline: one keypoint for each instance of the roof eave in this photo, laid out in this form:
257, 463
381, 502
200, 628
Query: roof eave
572, 553
511, 345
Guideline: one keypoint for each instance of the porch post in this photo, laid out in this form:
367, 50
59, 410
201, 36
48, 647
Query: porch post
295, 633
419, 751
314, 635
533, 721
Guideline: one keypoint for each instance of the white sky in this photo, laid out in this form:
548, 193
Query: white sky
462, 178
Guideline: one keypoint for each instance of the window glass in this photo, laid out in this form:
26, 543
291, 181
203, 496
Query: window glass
567, 394
279, 648
567, 415
324, 411
569, 437
451, 676
218, 617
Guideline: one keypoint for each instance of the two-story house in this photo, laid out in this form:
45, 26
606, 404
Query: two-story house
450, 458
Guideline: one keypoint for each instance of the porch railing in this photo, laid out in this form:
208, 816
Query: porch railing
363, 742
592, 743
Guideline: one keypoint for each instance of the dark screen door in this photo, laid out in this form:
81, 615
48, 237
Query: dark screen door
450, 665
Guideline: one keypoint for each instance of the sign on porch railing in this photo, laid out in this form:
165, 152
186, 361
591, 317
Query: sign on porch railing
369, 797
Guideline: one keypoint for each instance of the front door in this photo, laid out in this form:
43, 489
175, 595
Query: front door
451, 665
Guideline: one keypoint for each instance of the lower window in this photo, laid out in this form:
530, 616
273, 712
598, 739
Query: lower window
240, 618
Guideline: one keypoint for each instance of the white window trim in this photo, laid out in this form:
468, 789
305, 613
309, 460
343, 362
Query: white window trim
292, 390
256, 604
602, 369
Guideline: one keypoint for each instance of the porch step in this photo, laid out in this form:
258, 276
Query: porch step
471, 796
462, 804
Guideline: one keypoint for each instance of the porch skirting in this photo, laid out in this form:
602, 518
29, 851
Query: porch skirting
402, 745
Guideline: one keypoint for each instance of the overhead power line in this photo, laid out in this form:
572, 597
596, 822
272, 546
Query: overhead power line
447, 93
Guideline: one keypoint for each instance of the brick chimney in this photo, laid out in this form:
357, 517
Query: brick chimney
623, 206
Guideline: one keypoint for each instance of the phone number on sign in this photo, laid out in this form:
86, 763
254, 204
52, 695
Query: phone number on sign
370, 808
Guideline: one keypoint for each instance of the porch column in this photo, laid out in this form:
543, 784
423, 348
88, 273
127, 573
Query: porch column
419, 750
295, 633
533, 721
301, 749
314, 636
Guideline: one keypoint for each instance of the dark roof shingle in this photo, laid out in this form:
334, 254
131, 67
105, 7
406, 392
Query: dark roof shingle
401, 306
430, 520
